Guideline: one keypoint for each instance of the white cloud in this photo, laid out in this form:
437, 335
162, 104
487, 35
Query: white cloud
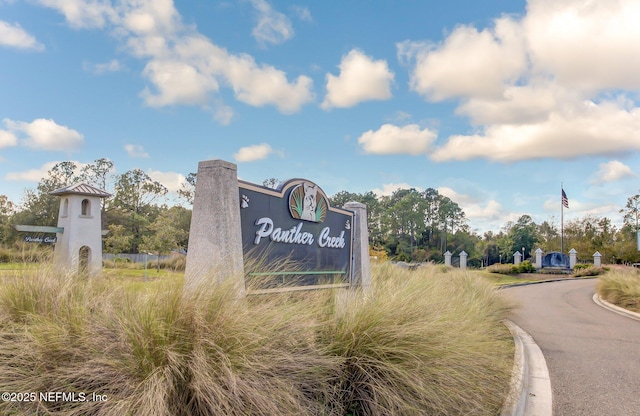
223, 114
112, 66
468, 62
588, 129
585, 44
263, 85
14, 36
477, 210
272, 27
518, 104
540, 86
135, 150
171, 180
612, 171
7, 139
183, 66
389, 188
303, 13
253, 153
391, 139
361, 79
32, 175
177, 83
44, 134
82, 14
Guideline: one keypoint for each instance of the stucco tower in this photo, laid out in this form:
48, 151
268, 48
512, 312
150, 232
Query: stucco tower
79, 245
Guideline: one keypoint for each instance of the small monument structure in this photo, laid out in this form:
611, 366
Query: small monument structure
79, 231
236, 222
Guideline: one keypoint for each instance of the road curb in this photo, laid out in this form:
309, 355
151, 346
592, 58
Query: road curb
530, 389
614, 308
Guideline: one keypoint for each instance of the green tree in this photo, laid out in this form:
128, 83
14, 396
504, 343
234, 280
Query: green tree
136, 197
187, 189
524, 234
7, 209
271, 183
374, 212
118, 240
100, 174
548, 236
39, 206
166, 235
631, 211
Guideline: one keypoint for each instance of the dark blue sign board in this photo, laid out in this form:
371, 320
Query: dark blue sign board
40, 239
556, 259
293, 238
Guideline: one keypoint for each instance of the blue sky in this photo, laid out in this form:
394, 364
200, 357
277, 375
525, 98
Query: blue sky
493, 103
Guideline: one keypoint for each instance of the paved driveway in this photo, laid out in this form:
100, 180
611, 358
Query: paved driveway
593, 354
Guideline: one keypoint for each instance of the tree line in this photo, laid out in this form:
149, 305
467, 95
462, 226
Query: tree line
408, 225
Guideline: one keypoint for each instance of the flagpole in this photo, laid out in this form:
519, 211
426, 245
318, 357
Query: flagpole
561, 219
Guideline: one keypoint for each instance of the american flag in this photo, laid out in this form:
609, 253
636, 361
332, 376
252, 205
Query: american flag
565, 200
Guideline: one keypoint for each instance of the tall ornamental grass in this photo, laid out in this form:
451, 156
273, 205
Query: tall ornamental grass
418, 343
622, 288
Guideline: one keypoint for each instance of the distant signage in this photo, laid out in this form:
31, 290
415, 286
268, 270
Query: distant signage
292, 237
39, 239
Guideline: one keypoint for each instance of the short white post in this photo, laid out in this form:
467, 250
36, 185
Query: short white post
573, 258
447, 258
597, 259
463, 260
517, 257
539, 258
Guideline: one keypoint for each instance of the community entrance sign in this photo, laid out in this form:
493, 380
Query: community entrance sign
266, 239
291, 236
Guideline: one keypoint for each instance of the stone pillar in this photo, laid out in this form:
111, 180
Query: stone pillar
597, 259
463, 260
573, 258
539, 258
447, 258
361, 262
517, 257
215, 239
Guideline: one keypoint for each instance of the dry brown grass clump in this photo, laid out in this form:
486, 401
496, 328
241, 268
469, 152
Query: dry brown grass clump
419, 343
622, 288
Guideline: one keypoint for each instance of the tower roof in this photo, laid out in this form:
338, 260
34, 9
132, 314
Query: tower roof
81, 189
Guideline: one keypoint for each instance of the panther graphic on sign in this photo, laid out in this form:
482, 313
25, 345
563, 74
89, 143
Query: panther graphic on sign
306, 203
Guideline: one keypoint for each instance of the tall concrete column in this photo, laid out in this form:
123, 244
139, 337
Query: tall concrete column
361, 261
215, 239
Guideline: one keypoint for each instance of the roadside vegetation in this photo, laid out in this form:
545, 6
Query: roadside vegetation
409, 225
422, 342
621, 287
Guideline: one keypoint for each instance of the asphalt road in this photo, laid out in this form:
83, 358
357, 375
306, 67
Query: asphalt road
592, 354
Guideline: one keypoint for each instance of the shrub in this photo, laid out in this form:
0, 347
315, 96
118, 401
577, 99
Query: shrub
621, 288
526, 267
503, 268
588, 271
419, 343
581, 266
